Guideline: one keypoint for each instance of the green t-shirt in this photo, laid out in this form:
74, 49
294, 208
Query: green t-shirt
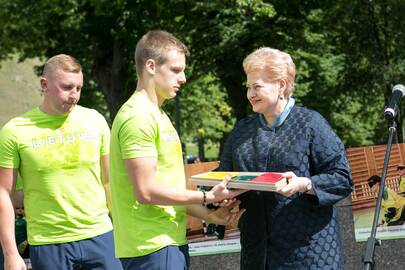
58, 158
140, 129
392, 200
402, 184
19, 183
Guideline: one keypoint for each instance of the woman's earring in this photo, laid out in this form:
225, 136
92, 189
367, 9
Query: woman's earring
280, 98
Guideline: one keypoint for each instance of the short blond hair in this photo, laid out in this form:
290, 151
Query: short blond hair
276, 64
64, 62
155, 45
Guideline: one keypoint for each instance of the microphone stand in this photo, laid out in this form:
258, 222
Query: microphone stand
372, 242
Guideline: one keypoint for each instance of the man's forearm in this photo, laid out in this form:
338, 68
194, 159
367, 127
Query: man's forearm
198, 211
7, 234
104, 173
168, 195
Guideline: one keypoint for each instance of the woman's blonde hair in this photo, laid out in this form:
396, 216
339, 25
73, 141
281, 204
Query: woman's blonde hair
276, 64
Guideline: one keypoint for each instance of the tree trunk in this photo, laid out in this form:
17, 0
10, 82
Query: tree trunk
233, 84
115, 77
237, 95
201, 150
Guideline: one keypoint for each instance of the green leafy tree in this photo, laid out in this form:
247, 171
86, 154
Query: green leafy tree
205, 114
229, 30
102, 34
369, 37
345, 68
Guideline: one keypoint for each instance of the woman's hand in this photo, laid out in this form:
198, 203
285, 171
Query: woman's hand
295, 184
226, 215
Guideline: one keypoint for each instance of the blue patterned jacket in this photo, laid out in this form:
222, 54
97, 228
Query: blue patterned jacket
300, 232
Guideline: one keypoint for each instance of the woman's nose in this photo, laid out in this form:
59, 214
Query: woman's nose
251, 93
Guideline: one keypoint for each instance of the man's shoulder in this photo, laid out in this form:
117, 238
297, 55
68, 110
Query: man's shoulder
21, 120
136, 109
88, 113
84, 110
131, 119
138, 103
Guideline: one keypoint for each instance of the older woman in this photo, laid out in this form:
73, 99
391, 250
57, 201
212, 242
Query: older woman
296, 228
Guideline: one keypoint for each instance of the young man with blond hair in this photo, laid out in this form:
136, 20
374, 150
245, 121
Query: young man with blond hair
149, 194
61, 151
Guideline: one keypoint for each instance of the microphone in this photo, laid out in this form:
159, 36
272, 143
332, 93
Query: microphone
390, 111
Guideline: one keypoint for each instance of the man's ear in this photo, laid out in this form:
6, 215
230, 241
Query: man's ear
43, 82
150, 66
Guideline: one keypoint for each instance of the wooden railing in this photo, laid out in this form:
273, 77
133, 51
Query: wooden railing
194, 225
368, 161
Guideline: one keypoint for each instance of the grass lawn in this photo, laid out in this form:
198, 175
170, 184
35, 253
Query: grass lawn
211, 150
19, 88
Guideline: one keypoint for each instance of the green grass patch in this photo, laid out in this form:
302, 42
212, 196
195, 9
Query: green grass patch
19, 88
211, 150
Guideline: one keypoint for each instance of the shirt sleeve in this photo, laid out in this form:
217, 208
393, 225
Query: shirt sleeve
137, 136
105, 136
9, 157
331, 178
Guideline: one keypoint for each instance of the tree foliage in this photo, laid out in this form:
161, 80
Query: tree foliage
368, 36
204, 110
345, 67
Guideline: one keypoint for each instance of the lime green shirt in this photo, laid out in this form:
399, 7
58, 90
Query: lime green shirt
19, 183
392, 200
402, 184
58, 158
141, 129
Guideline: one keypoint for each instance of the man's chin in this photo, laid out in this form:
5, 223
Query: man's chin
172, 95
68, 109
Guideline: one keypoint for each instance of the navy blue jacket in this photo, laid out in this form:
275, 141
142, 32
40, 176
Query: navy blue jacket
300, 232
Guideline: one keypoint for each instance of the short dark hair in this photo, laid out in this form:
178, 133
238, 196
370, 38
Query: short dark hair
400, 167
154, 45
373, 180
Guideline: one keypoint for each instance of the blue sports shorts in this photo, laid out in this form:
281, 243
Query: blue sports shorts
95, 253
1, 259
168, 258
